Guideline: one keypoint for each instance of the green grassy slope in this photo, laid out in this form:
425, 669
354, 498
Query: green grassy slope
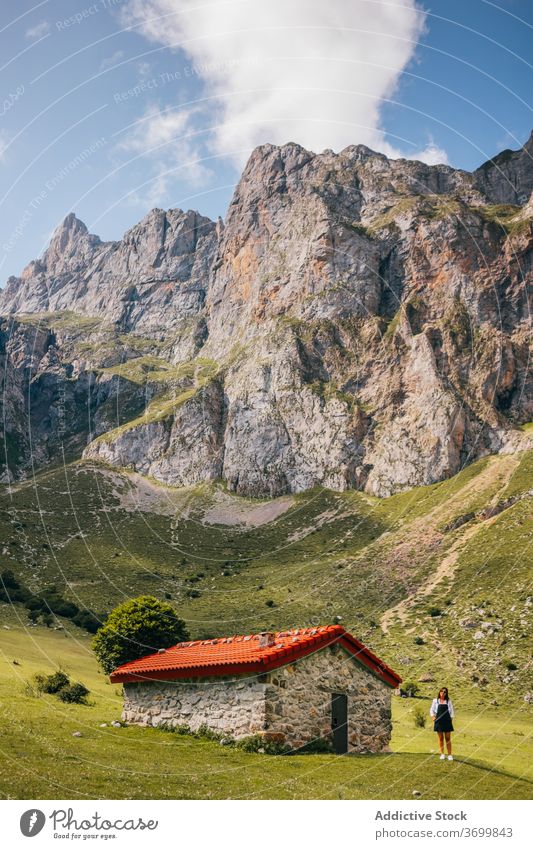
40, 758
435, 580
232, 565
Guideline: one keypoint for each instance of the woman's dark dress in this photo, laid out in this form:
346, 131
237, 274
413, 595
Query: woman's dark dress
443, 720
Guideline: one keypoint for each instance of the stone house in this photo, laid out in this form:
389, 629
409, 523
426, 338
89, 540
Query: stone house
292, 686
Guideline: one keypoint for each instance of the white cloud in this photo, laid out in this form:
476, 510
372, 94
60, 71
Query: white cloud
109, 61
40, 29
432, 154
167, 141
311, 71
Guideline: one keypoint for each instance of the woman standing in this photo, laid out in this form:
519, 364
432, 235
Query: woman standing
442, 713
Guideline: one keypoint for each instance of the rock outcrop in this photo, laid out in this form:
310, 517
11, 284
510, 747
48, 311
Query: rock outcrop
152, 282
355, 322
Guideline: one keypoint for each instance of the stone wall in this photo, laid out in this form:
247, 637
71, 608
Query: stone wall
235, 707
291, 704
298, 701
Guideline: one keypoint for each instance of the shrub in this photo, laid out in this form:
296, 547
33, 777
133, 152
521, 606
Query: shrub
45, 603
419, 641
206, 733
435, 611
88, 620
419, 717
511, 666
35, 604
270, 603
135, 628
257, 743
51, 683
7, 578
409, 688
74, 694
61, 607
11, 594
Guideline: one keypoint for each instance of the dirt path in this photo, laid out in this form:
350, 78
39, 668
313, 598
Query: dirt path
448, 564
446, 569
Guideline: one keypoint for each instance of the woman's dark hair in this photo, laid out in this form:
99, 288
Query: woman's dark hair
447, 696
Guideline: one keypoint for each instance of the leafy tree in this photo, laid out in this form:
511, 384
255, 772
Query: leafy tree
135, 628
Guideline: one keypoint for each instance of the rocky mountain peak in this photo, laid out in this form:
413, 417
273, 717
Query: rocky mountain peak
508, 177
357, 321
70, 246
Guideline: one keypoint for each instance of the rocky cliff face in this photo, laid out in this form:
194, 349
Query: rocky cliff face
153, 281
356, 322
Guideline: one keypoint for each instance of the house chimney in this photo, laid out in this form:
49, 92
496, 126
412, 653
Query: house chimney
266, 639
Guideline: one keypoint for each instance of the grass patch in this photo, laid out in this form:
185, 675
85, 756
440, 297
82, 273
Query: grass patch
110, 762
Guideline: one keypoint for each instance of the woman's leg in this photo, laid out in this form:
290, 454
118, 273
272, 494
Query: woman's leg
448, 742
441, 741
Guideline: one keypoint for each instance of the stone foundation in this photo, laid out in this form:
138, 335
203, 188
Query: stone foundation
291, 704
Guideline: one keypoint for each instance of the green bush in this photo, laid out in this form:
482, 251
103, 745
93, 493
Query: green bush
136, 628
435, 611
74, 694
257, 743
42, 605
7, 578
51, 683
419, 641
206, 733
409, 688
88, 620
419, 717
60, 607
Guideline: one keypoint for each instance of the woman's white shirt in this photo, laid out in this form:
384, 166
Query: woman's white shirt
434, 707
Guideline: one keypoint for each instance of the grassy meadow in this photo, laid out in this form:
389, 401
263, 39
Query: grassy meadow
42, 759
436, 580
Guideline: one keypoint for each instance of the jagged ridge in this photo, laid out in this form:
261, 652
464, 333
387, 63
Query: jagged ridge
365, 321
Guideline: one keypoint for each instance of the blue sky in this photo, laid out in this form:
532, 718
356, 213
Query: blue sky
113, 107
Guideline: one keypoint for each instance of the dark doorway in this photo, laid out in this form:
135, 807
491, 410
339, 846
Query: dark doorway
339, 722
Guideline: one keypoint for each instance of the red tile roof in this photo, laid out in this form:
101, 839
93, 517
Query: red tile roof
240, 655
